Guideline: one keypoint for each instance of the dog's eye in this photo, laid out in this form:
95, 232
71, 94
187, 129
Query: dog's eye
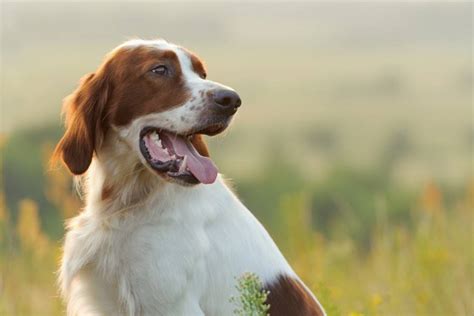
161, 70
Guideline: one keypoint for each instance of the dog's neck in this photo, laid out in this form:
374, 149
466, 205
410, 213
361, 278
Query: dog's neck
116, 179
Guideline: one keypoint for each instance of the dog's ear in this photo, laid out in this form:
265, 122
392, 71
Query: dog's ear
198, 142
84, 112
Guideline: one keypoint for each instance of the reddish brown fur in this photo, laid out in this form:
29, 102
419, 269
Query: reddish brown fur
84, 112
107, 192
288, 297
200, 145
198, 65
122, 89
139, 91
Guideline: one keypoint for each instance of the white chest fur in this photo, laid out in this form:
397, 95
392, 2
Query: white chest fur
178, 254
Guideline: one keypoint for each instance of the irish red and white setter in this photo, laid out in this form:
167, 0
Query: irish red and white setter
161, 233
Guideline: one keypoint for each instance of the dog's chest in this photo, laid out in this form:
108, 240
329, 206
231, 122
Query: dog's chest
160, 262
181, 258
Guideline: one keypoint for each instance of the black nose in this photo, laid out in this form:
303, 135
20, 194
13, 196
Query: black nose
227, 101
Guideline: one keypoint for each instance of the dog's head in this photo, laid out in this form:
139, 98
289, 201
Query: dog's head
155, 97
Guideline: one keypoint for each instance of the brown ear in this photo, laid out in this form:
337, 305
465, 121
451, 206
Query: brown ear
85, 127
200, 145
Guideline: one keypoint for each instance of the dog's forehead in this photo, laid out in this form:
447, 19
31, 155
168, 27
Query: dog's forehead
158, 43
186, 58
140, 50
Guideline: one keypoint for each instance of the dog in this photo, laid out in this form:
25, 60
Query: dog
161, 233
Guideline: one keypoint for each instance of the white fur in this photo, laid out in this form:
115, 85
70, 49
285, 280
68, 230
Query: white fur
156, 247
178, 253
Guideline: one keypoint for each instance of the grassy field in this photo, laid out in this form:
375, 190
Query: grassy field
356, 125
425, 268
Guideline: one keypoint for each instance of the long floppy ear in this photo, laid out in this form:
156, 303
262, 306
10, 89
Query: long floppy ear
84, 111
200, 145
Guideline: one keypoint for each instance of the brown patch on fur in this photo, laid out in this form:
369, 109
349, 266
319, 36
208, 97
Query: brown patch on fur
139, 91
122, 89
107, 192
197, 63
200, 145
288, 297
84, 110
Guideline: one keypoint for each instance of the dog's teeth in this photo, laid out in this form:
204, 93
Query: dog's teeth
155, 136
156, 139
182, 168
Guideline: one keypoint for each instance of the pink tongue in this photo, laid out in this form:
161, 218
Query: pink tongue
201, 167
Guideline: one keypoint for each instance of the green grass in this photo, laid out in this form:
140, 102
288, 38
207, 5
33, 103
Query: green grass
252, 298
421, 269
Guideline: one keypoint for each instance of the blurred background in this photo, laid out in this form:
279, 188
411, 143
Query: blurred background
354, 144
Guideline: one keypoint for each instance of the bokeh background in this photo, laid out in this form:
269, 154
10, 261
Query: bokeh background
354, 144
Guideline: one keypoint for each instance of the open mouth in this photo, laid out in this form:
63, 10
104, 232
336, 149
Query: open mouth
175, 156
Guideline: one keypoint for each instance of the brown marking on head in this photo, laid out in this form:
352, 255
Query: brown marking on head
139, 91
289, 297
197, 64
122, 89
